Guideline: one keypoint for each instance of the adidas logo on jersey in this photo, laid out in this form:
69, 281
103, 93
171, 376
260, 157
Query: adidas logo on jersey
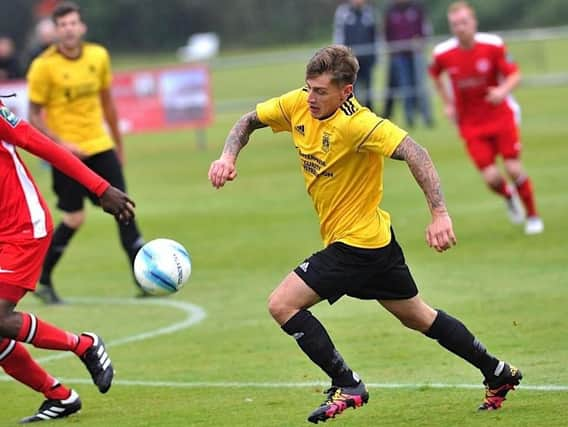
300, 129
304, 266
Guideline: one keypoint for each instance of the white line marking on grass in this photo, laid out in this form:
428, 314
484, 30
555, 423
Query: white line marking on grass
194, 315
213, 384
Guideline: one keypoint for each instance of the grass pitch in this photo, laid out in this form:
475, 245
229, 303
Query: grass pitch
224, 370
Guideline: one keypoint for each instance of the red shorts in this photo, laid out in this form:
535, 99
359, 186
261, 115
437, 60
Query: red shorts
20, 266
484, 147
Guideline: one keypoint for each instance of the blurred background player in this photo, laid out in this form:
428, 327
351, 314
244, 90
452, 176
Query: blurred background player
341, 148
43, 37
482, 77
355, 26
71, 81
26, 229
9, 63
406, 30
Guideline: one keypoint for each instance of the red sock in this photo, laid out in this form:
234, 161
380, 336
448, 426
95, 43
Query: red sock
84, 343
43, 335
525, 190
17, 362
502, 188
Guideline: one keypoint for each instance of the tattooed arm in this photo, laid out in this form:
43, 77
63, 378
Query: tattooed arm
224, 169
439, 233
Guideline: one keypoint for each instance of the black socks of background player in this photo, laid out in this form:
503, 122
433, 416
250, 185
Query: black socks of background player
61, 238
130, 239
454, 336
313, 339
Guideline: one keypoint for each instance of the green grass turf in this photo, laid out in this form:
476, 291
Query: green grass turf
508, 288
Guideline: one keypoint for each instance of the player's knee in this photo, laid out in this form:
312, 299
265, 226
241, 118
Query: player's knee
278, 309
10, 324
514, 170
74, 220
274, 306
491, 175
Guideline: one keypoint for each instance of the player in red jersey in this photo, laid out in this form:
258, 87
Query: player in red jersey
482, 77
25, 233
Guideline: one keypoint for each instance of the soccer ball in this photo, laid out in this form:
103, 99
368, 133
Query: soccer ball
162, 266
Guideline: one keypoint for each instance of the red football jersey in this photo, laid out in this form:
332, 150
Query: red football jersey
472, 72
23, 211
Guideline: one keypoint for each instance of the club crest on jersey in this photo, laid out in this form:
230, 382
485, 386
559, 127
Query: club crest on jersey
8, 116
483, 65
326, 142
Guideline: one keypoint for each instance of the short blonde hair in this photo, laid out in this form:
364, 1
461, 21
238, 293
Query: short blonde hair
457, 5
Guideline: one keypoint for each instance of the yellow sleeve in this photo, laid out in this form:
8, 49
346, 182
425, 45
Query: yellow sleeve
277, 112
376, 134
38, 83
106, 73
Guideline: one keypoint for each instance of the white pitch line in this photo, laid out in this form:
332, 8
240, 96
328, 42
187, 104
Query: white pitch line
194, 315
265, 385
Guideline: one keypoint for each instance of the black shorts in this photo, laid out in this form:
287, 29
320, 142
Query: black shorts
340, 269
71, 194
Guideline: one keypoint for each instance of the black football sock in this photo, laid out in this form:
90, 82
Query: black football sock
454, 336
61, 238
313, 339
131, 239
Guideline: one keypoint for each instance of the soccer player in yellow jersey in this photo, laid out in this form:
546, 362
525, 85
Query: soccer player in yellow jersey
70, 82
341, 147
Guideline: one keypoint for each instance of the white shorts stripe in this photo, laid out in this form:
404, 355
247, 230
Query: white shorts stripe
37, 214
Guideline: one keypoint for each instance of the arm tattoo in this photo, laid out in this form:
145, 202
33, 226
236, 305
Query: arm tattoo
239, 134
425, 174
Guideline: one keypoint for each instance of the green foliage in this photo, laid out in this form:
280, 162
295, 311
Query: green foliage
505, 14
147, 25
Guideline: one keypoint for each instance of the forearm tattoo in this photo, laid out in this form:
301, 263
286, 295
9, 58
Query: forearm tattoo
239, 134
421, 166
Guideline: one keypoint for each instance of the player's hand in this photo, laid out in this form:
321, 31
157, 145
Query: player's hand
118, 204
440, 234
495, 95
450, 112
221, 171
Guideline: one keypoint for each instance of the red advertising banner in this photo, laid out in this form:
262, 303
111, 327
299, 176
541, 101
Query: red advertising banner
156, 99
146, 100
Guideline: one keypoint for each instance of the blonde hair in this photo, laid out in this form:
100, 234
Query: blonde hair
458, 5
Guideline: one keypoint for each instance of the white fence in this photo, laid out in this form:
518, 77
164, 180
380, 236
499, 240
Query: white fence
542, 71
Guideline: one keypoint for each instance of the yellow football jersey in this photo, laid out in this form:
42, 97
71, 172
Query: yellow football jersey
342, 159
69, 90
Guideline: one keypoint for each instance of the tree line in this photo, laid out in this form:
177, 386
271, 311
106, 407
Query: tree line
151, 25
